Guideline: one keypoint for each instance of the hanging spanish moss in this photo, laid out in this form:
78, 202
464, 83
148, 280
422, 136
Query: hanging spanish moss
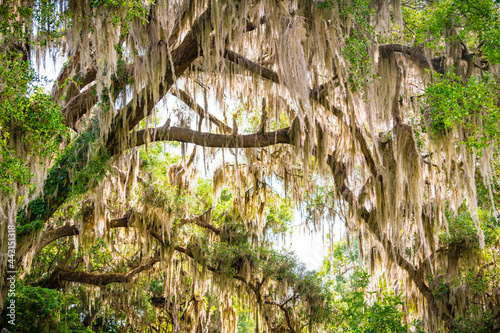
288, 100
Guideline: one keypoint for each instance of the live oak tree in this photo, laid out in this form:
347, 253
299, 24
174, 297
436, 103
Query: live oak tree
382, 113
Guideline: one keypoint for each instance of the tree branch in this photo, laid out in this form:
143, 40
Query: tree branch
339, 176
188, 252
142, 105
189, 101
283, 308
316, 94
61, 274
201, 220
59, 177
79, 105
52, 235
209, 139
416, 54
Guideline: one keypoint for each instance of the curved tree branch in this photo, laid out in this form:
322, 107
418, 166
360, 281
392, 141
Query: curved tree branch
61, 274
285, 309
52, 235
415, 54
79, 105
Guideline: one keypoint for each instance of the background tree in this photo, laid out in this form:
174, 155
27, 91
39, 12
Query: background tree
391, 106
356, 308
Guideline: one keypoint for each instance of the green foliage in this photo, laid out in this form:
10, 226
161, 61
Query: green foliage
360, 62
470, 105
478, 23
11, 22
92, 172
462, 229
356, 38
163, 195
477, 273
246, 323
354, 313
28, 117
156, 286
156, 162
253, 117
85, 159
355, 309
318, 204
101, 256
123, 12
478, 283
440, 287
12, 171
475, 320
280, 217
45, 261
45, 310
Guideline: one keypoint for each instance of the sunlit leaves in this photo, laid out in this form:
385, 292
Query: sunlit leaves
354, 309
472, 105
477, 24
45, 310
461, 228
123, 12
28, 117
357, 38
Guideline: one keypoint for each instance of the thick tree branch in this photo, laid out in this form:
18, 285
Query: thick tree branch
142, 105
72, 63
83, 102
251, 66
52, 235
416, 54
122, 222
61, 274
284, 308
89, 318
209, 139
56, 185
80, 78
79, 105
